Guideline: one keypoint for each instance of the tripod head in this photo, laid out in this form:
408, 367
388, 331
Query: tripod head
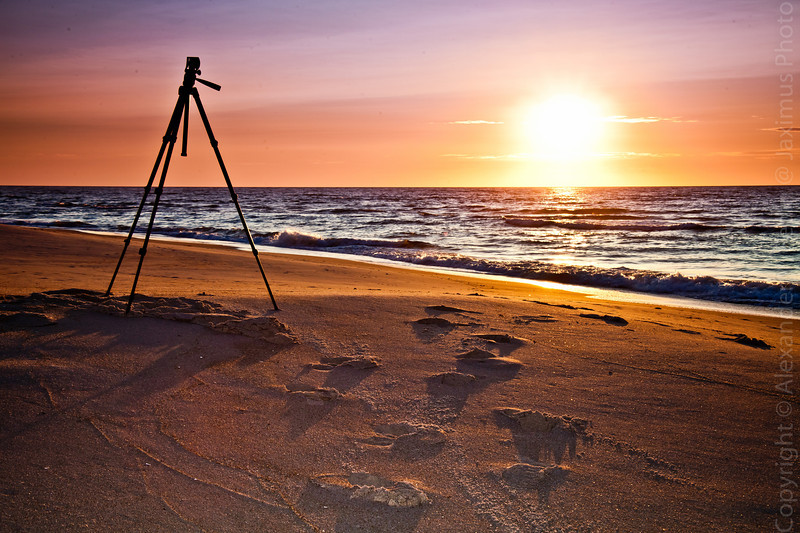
191, 72
189, 77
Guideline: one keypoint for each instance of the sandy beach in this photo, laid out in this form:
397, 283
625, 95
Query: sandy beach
376, 399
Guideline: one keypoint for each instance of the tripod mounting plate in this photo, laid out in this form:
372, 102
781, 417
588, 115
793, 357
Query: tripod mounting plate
193, 63
191, 72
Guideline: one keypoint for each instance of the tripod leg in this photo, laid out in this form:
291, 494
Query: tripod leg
179, 106
138, 214
185, 128
234, 196
143, 249
170, 138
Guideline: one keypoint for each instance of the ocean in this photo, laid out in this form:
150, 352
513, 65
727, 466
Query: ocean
739, 245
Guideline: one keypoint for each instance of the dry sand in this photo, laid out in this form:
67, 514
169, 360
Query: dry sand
377, 399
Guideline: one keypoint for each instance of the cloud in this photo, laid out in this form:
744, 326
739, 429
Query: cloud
473, 122
502, 157
760, 154
632, 155
644, 120
543, 156
781, 130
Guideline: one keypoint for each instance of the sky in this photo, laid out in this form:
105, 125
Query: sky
404, 93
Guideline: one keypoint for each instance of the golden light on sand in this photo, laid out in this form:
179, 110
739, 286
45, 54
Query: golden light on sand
564, 127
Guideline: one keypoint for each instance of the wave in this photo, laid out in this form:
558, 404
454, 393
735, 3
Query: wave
589, 226
750, 292
758, 239
294, 239
771, 229
208, 233
284, 239
760, 293
613, 216
69, 224
348, 210
100, 206
578, 211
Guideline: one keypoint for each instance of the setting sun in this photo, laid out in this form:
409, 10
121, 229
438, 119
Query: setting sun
564, 127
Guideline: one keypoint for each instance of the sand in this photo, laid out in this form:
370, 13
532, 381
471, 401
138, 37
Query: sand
376, 399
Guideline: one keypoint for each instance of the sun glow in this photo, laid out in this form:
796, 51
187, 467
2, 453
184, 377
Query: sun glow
565, 127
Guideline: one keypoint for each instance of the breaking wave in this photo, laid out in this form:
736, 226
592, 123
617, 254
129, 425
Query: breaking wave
295, 239
589, 226
731, 233
289, 239
750, 292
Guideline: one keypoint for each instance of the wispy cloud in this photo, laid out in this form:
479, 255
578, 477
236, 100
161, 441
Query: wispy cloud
501, 157
473, 122
760, 154
544, 156
614, 118
632, 155
644, 120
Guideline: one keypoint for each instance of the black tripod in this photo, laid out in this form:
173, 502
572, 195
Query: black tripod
182, 109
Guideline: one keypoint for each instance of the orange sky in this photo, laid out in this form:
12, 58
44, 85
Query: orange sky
379, 93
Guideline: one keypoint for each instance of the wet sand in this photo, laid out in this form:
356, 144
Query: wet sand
376, 399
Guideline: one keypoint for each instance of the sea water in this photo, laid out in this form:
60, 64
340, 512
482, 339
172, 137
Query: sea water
727, 244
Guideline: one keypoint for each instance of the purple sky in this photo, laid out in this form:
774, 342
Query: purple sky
88, 77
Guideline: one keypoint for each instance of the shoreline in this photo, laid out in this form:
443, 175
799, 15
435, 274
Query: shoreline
638, 241
611, 294
377, 398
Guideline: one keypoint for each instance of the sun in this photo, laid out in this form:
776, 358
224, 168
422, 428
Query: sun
564, 127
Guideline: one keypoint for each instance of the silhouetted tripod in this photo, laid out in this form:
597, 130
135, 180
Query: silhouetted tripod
182, 109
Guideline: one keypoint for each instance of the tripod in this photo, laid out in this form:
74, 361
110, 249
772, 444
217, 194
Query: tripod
167, 145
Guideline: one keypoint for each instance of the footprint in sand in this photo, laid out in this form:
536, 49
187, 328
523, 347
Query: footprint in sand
430, 327
452, 379
359, 362
436, 321
478, 357
608, 319
563, 306
443, 322
503, 342
369, 487
448, 309
527, 319
741, 338
476, 354
314, 395
540, 436
500, 338
392, 493
541, 440
528, 476
407, 438
543, 479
